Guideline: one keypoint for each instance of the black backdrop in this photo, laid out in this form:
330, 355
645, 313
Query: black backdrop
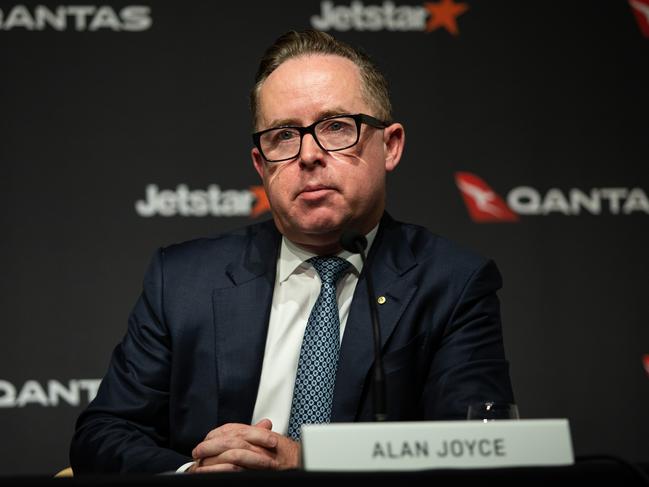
541, 101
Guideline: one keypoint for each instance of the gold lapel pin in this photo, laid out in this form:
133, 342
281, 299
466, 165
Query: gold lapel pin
381, 300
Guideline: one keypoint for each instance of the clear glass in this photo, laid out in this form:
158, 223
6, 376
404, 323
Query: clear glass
332, 134
492, 410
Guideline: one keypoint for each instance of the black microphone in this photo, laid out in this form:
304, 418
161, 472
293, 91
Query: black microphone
356, 243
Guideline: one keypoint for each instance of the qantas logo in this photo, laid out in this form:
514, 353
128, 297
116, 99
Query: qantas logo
75, 392
486, 206
641, 11
645, 362
482, 202
80, 18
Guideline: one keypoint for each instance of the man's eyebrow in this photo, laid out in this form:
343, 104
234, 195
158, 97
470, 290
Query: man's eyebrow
293, 122
283, 122
333, 112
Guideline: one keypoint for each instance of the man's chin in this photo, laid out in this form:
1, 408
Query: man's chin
321, 232
317, 232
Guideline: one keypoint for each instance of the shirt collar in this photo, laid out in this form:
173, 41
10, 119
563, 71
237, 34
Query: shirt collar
292, 256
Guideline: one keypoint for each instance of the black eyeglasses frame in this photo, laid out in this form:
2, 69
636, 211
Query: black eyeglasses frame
359, 118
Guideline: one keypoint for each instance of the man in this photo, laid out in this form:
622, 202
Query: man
235, 342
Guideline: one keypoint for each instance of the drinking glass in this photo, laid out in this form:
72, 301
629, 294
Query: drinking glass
492, 410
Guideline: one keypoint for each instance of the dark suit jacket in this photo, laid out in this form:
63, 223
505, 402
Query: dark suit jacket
192, 356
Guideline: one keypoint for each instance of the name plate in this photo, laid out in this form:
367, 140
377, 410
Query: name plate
436, 444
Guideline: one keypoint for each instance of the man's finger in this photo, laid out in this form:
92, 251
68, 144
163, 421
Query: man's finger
265, 423
254, 439
225, 428
221, 467
213, 448
260, 436
248, 459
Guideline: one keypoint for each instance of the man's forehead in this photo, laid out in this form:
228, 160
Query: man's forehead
311, 86
316, 63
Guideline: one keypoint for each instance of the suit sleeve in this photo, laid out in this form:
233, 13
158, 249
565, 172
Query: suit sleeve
126, 427
469, 364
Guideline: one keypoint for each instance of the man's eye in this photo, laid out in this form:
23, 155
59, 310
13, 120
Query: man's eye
285, 134
336, 126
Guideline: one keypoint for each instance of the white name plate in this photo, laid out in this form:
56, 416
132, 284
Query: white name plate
436, 444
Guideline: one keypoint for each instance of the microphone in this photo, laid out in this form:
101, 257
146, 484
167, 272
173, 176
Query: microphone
356, 243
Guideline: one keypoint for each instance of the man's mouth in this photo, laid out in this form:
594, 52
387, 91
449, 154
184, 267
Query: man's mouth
313, 192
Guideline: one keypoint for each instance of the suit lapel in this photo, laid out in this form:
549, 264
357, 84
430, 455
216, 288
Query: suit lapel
390, 260
241, 313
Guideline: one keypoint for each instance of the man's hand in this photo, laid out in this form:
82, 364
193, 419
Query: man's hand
234, 446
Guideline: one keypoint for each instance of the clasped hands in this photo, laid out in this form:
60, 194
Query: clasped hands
234, 447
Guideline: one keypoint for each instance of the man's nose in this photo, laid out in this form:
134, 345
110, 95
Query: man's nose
311, 153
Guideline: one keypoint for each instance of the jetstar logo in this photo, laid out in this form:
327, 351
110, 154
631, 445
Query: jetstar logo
131, 18
486, 206
212, 201
387, 16
640, 9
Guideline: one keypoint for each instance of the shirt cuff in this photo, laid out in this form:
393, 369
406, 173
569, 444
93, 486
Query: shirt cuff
185, 467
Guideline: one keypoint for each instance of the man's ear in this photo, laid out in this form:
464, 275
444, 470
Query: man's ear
394, 138
257, 161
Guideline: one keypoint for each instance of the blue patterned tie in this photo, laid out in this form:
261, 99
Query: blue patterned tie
316, 369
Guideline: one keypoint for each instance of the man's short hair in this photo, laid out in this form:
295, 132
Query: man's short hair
293, 44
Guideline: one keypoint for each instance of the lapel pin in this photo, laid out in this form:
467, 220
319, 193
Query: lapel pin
381, 300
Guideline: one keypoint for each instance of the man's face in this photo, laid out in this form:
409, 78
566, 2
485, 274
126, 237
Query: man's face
316, 195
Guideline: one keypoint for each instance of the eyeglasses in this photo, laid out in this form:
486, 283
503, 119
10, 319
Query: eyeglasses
331, 134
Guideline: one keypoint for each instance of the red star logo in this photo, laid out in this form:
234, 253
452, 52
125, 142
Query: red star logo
444, 14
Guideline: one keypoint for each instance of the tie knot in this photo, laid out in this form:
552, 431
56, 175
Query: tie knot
329, 268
